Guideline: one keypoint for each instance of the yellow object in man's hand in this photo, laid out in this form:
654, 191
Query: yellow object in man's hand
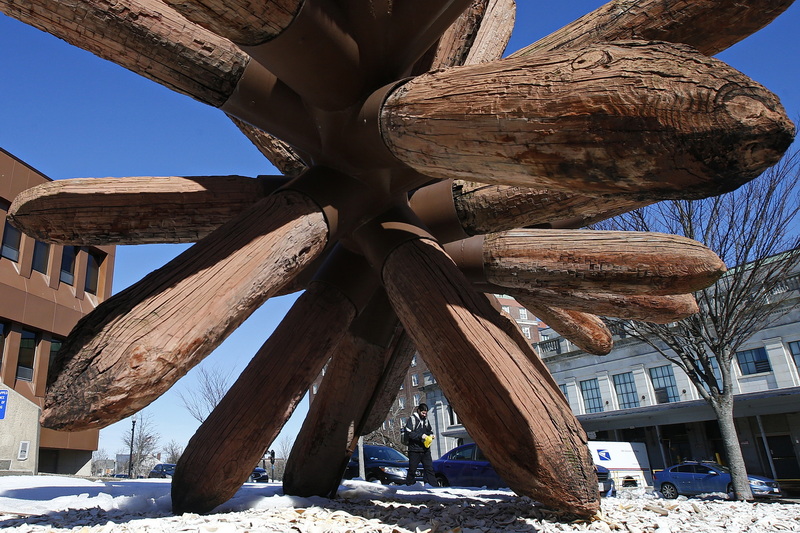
427, 440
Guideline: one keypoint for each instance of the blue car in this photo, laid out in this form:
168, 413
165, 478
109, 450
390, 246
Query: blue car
694, 477
466, 466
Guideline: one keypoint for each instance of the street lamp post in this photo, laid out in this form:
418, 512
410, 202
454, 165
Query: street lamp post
130, 457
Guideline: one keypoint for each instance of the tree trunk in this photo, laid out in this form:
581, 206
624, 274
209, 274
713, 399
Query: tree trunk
498, 388
598, 261
222, 453
711, 26
723, 408
331, 429
135, 210
136, 344
523, 122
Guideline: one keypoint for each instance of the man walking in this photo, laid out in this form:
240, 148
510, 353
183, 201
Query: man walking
419, 436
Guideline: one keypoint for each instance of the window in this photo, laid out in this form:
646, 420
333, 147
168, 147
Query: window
3, 335
55, 346
506, 309
402, 386
27, 355
314, 388
414, 360
41, 256
527, 332
753, 361
416, 400
664, 384
626, 390
592, 400
414, 380
452, 417
68, 265
563, 388
523, 315
428, 379
11, 239
401, 402
93, 271
794, 347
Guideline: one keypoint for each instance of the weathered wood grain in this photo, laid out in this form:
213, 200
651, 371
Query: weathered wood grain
241, 21
600, 261
647, 308
282, 155
144, 36
711, 26
481, 369
135, 210
483, 208
222, 453
136, 344
651, 120
338, 411
584, 330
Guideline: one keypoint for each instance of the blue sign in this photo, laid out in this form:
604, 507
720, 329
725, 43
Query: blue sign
604, 455
3, 402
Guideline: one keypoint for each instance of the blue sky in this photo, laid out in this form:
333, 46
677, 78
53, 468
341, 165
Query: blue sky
70, 114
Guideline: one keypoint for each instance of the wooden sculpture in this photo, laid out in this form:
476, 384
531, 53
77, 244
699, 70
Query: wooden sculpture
413, 154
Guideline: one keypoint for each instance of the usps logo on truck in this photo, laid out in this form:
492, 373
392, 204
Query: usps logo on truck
604, 455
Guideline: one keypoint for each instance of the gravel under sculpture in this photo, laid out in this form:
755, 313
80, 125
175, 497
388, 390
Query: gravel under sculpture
421, 171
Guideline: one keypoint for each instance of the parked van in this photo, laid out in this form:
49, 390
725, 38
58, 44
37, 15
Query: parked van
627, 462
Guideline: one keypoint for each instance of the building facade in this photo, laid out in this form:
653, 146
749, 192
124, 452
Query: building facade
44, 290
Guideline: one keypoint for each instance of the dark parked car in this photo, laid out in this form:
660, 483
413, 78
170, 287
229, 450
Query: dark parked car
694, 477
466, 466
163, 470
381, 463
259, 475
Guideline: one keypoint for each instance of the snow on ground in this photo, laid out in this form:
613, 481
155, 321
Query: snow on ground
55, 504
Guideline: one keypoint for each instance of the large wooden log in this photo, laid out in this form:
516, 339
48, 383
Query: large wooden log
611, 261
711, 26
647, 308
592, 261
701, 128
144, 36
499, 389
222, 453
584, 330
335, 418
284, 157
136, 344
135, 210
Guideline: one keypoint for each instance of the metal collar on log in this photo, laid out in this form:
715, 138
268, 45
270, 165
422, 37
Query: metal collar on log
264, 101
341, 197
468, 256
330, 75
351, 274
377, 324
435, 206
384, 233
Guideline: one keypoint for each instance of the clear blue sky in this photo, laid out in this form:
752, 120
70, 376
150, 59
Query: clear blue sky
70, 114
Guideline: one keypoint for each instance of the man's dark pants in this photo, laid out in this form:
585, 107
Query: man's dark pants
414, 458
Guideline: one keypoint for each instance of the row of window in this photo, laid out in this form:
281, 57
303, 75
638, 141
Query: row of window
28, 346
10, 250
750, 362
401, 401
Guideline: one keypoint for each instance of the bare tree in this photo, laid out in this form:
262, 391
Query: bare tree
754, 231
101, 462
388, 433
172, 452
141, 442
212, 386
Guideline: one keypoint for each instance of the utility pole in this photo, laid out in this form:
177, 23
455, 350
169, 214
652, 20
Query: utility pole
130, 457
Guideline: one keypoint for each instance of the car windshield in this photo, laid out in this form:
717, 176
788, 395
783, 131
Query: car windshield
382, 453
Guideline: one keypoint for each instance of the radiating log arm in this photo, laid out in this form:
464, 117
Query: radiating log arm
479, 367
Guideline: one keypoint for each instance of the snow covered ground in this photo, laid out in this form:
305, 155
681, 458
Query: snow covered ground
55, 504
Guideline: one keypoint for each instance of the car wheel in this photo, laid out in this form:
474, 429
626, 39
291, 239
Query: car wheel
442, 481
669, 491
373, 479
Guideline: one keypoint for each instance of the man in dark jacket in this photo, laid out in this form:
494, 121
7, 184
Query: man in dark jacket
420, 436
